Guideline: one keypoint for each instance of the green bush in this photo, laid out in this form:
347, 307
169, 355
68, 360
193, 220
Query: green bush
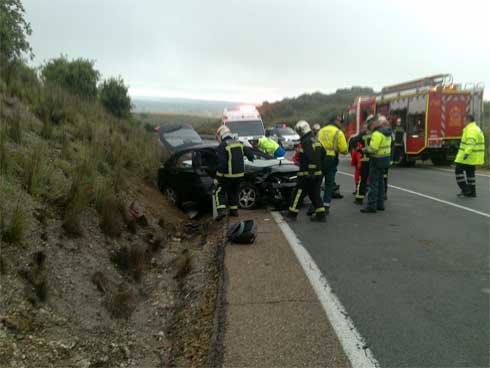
77, 76
113, 95
13, 231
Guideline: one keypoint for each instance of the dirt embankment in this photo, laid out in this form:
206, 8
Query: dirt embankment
145, 298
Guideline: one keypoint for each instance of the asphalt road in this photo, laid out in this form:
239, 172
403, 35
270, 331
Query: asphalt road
415, 278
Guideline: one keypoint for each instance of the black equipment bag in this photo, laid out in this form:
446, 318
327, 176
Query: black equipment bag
243, 232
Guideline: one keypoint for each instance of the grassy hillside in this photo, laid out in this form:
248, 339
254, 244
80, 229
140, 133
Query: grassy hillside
316, 107
64, 152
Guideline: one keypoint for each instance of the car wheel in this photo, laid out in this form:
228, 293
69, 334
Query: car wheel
247, 196
172, 196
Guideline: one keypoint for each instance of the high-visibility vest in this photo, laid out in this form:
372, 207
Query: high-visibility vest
267, 145
473, 145
380, 145
332, 139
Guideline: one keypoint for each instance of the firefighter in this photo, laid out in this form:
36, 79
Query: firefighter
379, 150
311, 156
362, 141
333, 140
471, 153
398, 142
230, 171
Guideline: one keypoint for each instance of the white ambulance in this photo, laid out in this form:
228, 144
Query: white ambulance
245, 122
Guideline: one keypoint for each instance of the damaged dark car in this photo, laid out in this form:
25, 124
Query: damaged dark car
187, 177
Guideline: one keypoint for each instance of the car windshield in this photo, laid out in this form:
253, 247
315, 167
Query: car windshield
182, 136
246, 128
285, 131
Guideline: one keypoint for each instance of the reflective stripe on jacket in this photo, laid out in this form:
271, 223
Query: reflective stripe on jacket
473, 145
230, 159
267, 145
311, 155
332, 139
366, 139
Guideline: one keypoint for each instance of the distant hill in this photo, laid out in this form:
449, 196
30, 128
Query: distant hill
166, 105
316, 107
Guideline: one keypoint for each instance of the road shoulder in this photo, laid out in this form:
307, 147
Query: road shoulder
273, 317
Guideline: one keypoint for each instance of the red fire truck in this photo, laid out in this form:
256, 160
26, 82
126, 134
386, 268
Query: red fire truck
432, 112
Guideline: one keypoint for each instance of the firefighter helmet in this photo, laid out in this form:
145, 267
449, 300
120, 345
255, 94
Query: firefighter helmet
302, 127
222, 132
316, 128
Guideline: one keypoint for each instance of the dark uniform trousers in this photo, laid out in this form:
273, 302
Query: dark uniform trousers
363, 186
376, 192
467, 184
329, 170
307, 185
226, 193
363, 180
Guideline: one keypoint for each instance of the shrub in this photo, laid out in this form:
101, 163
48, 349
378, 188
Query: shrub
113, 95
13, 231
14, 30
76, 76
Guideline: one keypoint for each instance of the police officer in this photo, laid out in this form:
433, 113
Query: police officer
379, 150
333, 141
471, 153
230, 171
311, 156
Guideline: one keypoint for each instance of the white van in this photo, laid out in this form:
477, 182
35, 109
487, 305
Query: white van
245, 122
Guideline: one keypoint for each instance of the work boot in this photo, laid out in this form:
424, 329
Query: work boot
327, 208
379, 208
319, 217
311, 210
464, 194
233, 213
471, 194
368, 210
337, 195
289, 215
221, 215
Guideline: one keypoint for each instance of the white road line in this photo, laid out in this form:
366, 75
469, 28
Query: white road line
452, 171
429, 197
359, 354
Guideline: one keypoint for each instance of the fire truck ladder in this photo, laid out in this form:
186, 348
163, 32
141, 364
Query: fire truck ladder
431, 81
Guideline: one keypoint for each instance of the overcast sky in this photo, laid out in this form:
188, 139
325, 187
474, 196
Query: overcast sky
255, 50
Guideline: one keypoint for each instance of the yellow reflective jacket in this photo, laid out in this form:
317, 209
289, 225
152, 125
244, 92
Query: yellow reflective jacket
267, 145
332, 139
473, 145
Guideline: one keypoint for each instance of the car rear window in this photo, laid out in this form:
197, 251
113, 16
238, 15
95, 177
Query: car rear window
182, 136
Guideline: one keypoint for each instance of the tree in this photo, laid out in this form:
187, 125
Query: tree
14, 30
77, 76
113, 94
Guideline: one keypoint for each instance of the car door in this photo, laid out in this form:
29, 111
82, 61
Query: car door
181, 176
204, 162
